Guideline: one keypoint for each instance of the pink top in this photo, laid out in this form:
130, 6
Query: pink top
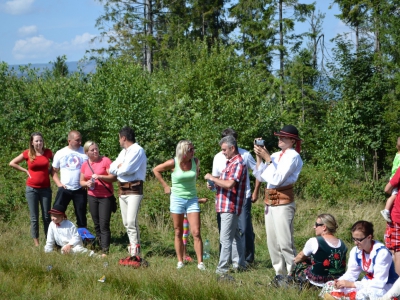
99, 167
38, 169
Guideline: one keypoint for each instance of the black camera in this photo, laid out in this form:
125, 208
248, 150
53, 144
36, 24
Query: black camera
259, 142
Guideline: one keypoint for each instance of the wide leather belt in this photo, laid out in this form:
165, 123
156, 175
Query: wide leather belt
279, 196
130, 188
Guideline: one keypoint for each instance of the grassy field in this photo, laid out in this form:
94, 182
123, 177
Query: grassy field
25, 272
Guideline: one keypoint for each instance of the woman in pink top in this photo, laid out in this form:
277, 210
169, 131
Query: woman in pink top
95, 176
38, 182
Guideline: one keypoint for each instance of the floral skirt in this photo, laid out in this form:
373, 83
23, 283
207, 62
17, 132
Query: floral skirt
351, 293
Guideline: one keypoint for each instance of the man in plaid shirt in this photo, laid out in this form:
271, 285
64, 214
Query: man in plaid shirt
231, 194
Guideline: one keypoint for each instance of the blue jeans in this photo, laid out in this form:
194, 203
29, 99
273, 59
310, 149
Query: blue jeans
247, 232
34, 197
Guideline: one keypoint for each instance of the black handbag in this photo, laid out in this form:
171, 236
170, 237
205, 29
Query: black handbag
112, 198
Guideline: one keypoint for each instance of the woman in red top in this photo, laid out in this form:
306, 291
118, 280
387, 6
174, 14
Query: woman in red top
95, 176
38, 188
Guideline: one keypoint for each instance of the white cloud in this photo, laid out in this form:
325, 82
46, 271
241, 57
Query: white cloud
17, 7
27, 30
38, 48
33, 48
82, 40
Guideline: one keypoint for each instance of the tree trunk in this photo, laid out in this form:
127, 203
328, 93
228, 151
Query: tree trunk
281, 53
148, 55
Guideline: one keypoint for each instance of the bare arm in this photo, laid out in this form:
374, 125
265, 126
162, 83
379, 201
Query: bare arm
57, 179
300, 257
388, 188
15, 164
108, 178
85, 183
254, 196
166, 166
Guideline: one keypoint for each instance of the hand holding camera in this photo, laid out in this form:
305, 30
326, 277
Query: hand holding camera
260, 150
259, 142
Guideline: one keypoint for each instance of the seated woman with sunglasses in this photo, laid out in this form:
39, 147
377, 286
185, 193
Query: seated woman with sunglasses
368, 256
323, 257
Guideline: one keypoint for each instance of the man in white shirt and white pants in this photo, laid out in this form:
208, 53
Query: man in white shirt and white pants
280, 171
130, 169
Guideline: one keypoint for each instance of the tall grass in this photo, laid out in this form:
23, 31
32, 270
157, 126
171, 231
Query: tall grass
25, 272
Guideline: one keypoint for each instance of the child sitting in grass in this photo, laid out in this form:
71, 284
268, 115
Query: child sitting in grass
63, 233
389, 202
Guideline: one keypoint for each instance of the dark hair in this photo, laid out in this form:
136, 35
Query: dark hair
364, 226
32, 152
229, 131
128, 133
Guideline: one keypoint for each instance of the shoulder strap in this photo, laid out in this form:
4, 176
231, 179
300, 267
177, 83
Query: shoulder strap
101, 181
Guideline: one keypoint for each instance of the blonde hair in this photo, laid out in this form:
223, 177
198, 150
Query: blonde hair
329, 221
182, 149
32, 152
87, 146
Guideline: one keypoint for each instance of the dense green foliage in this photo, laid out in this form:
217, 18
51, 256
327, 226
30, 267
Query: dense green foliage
345, 108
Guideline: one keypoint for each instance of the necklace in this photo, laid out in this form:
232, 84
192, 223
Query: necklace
366, 263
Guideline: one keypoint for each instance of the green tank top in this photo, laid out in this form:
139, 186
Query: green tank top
184, 182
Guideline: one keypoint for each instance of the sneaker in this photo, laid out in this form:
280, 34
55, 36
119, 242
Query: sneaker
180, 265
386, 215
201, 266
225, 278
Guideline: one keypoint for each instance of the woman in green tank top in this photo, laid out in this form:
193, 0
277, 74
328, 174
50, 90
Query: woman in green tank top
183, 197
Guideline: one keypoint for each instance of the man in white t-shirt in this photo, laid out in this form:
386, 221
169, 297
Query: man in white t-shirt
245, 223
68, 161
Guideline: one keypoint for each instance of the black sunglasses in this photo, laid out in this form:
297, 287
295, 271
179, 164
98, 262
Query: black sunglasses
359, 240
318, 224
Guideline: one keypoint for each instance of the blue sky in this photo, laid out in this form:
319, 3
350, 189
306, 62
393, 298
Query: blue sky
37, 31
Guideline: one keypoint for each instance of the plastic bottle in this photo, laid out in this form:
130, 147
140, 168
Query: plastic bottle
93, 184
206, 249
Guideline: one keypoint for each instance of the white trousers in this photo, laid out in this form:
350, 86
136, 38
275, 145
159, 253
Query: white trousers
130, 205
280, 242
76, 249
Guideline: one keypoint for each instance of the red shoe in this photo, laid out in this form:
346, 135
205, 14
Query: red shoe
133, 261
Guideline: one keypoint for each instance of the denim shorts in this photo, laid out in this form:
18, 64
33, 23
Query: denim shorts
180, 206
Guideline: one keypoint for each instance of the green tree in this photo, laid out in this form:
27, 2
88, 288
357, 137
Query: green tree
257, 36
60, 67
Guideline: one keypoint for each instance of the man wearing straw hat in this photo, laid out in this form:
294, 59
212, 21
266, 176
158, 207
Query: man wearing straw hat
280, 170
